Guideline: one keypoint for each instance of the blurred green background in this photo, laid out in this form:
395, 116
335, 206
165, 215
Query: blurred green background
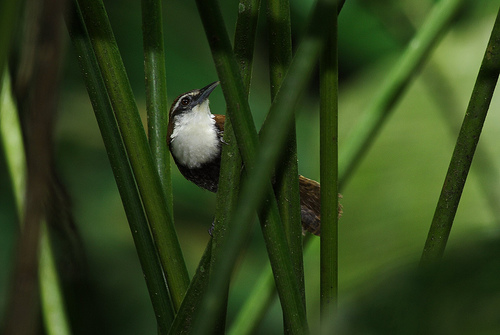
388, 203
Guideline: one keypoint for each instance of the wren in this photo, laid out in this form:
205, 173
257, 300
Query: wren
195, 141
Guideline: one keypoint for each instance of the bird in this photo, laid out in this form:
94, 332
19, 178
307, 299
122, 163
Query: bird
195, 140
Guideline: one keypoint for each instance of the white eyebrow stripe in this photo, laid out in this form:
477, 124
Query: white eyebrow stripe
179, 99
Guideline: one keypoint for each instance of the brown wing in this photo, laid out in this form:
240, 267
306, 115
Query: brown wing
219, 121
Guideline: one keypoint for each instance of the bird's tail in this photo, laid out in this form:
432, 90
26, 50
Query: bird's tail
310, 205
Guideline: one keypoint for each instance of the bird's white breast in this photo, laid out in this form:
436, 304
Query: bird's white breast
194, 140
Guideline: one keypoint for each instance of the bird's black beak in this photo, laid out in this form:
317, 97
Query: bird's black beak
205, 92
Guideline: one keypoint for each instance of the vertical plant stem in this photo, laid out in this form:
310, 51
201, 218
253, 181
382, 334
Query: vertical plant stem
401, 74
136, 145
227, 198
329, 174
190, 306
287, 183
156, 93
136, 216
464, 150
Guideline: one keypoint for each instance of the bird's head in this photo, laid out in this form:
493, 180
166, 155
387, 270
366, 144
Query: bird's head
195, 101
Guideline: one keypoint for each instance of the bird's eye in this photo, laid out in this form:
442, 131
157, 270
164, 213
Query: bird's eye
185, 101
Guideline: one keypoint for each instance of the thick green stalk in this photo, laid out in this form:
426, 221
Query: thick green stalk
287, 182
146, 250
416, 53
329, 174
227, 198
191, 304
156, 93
136, 145
464, 150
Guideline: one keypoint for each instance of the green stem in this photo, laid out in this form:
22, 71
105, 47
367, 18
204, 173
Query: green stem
416, 53
156, 92
227, 198
136, 145
329, 174
464, 150
191, 304
146, 250
287, 183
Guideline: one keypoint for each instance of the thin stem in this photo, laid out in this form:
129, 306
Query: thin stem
464, 150
136, 145
329, 174
156, 92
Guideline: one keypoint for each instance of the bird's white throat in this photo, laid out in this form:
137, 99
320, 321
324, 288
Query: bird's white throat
194, 140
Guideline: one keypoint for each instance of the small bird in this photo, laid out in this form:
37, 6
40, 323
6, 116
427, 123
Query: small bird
195, 140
